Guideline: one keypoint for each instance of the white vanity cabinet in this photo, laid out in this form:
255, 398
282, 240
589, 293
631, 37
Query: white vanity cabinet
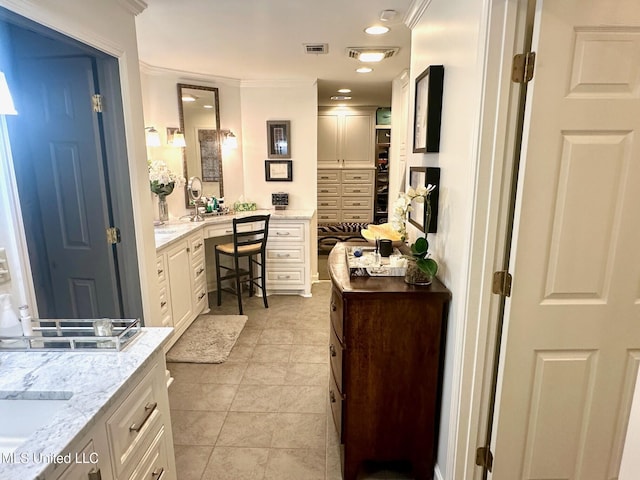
288, 257
183, 281
132, 440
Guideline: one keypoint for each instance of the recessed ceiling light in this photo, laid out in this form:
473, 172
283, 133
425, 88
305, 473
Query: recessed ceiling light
344, 90
207, 106
376, 30
364, 70
340, 97
371, 56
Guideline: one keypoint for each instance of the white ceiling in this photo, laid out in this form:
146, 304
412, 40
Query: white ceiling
263, 40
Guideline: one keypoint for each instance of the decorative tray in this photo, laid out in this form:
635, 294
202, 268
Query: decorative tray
362, 262
75, 334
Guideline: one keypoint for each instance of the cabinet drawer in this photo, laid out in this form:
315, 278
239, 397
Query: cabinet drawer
356, 216
355, 203
84, 463
225, 229
285, 277
328, 190
328, 176
360, 190
336, 401
165, 307
161, 268
330, 203
336, 313
201, 298
199, 271
335, 358
357, 176
293, 254
155, 462
328, 216
286, 232
196, 245
134, 422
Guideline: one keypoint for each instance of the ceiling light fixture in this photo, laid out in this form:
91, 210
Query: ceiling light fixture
344, 90
188, 98
371, 57
364, 70
371, 54
376, 30
340, 97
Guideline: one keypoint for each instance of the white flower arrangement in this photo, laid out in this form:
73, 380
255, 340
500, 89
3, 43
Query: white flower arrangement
402, 206
162, 180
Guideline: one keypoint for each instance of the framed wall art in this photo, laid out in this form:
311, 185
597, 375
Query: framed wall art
279, 139
428, 110
278, 170
423, 218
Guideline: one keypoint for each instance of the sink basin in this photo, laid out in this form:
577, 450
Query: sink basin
20, 418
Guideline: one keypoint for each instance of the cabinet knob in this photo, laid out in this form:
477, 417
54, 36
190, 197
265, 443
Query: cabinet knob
163, 304
332, 350
188, 249
160, 271
202, 296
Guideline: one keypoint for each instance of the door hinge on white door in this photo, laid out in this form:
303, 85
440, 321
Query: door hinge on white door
502, 283
523, 67
484, 458
96, 102
113, 235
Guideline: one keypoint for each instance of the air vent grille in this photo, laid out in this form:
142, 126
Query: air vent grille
354, 52
316, 48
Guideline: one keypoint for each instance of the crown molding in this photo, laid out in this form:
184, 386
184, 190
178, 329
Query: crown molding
185, 77
134, 6
284, 83
415, 12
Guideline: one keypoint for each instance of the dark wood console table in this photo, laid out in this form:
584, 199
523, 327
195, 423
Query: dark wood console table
386, 356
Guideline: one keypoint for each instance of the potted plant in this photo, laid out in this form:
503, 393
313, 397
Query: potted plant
420, 268
162, 181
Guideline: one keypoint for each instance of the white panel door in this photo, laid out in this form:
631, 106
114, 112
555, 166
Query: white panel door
572, 341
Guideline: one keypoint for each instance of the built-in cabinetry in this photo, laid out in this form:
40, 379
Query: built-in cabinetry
288, 260
132, 440
386, 355
381, 196
183, 281
345, 138
345, 195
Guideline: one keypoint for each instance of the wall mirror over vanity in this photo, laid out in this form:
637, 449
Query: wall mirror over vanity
199, 109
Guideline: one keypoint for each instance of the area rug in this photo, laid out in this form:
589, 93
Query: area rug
209, 339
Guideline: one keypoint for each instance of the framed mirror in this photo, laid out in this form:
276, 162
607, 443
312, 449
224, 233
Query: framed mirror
200, 121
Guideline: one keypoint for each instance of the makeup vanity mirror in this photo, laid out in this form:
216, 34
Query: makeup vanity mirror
200, 121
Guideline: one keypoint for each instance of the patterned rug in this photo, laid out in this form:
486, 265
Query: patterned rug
209, 339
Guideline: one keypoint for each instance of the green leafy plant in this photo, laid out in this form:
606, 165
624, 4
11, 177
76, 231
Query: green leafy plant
420, 251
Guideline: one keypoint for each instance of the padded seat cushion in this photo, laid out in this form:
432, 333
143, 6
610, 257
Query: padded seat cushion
242, 250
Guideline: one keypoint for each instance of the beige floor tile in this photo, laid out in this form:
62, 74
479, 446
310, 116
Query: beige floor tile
191, 461
276, 336
271, 353
226, 373
307, 374
248, 429
201, 396
248, 336
256, 398
195, 427
240, 353
296, 464
300, 430
309, 354
312, 337
265, 374
233, 463
303, 399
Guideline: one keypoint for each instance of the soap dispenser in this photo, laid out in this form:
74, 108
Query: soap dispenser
10, 326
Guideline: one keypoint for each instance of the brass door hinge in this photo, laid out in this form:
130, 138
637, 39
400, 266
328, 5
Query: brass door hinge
96, 103
523, 67
484, 458
113, 235
502, 283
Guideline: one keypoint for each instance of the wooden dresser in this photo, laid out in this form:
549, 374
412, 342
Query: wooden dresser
386, 356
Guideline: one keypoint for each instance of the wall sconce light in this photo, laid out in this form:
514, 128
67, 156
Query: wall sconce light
229, 140
6, 102
175, 137
153, 137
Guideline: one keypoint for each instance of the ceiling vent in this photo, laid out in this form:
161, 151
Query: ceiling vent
316, 48
354, 52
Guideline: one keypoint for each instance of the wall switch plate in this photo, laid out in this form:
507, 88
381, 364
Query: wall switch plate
5, 276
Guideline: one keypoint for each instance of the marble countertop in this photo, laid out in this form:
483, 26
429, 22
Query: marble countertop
176, 229
91, 379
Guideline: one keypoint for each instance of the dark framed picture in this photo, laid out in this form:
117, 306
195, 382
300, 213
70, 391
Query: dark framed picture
279, 139
422, 217
428, 110
278, 170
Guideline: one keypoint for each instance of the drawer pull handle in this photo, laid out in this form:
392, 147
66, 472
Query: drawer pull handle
201, 296
284, 277
322, 204
324, 178
198, 246
357, 191
324, 216
160, 271
94, 474
199, 272
283, 255
357, 178
163, 304
148, 410
157, 473
283, 234
332, 350
228, 231
356, 203
324, 191
356, 216
332, 396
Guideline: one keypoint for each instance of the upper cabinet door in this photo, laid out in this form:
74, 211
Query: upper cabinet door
328, 141
346, 140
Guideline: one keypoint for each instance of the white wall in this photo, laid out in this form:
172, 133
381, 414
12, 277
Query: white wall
450, 33
110, 27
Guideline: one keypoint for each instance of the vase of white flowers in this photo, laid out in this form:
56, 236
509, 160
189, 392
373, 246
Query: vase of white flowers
162, 181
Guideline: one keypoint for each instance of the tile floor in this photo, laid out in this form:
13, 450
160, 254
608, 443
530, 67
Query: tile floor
264, 413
